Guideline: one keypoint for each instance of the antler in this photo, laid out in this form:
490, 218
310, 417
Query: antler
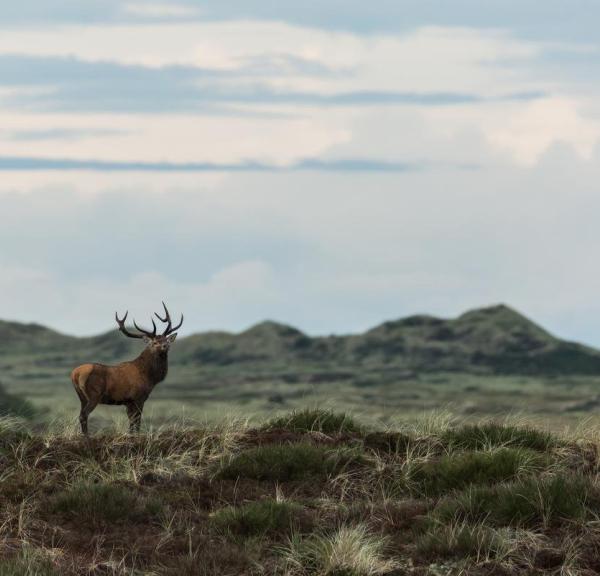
121, 323
169, 329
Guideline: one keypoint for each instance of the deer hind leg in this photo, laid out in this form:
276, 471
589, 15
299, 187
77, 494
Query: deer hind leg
87, 406
134, 413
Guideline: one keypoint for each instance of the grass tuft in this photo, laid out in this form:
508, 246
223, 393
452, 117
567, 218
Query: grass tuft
261, 518
529, 502
104, 504
492, 435
29, 562
315, 420
285, 462
349, 551
457, 471
463, 540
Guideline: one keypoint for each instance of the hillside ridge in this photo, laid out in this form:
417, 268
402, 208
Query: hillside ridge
493, 339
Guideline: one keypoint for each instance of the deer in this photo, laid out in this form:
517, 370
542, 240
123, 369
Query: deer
129, 383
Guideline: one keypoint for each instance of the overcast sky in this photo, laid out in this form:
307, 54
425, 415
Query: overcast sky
325, 164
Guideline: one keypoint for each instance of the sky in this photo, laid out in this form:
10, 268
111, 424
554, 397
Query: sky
329, 165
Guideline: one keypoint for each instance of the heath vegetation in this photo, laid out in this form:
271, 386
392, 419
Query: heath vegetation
312, 492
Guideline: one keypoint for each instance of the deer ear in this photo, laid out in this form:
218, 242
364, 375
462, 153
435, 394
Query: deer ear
172, 337
146, 339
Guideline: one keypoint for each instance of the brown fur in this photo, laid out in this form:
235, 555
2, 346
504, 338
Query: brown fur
129, 383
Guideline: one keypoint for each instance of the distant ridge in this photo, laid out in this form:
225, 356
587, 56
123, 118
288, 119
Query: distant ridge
494, 340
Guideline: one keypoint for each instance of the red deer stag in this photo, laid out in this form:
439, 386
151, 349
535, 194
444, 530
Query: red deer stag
128, 383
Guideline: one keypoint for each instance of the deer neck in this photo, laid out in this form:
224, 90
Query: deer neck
154, 365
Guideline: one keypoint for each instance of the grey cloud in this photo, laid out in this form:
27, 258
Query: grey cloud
524, 17
345, 250
74, 85
61, 134
310, 164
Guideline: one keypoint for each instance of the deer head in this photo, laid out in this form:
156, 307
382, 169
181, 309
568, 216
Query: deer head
159, 343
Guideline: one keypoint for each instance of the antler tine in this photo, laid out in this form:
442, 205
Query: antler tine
170, 329
121, 323
147, 332
167, 317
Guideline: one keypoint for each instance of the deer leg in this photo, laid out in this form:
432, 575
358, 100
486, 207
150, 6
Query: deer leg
87, 407
134, 413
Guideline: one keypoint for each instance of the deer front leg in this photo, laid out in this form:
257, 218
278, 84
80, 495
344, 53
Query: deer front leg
134, 413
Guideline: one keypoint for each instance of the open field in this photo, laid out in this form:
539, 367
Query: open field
486, 362
551, 401
311, 492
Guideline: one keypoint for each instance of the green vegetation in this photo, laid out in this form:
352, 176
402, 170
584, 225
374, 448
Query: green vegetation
314, 420
458, 471
484, 363
492, 434
347, 551
426, 498
531, 502
264, 517
28, 563
11, 405
103, 504
285, 462
463, 540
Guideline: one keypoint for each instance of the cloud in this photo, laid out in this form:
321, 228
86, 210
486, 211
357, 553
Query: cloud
326, 251
292, 172
160, 10
382, 16
307, 164
60, 134
237, 294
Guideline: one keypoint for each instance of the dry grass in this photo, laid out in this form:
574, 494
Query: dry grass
326, 495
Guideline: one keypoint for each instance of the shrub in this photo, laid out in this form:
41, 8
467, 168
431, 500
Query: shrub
285, 462
350, 551
528, 502
457, 471
264, 517
103, 503
315, 420
491, 434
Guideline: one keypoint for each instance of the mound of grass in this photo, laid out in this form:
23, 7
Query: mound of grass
492, 435
390, 442
28, 563
11, 405
315, 420
349, 551
285, 462
462, 540
457, 471
261, 518
103, 504
530, 502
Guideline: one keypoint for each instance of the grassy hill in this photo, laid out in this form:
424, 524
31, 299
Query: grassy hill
494, 340
308, 493
487, 358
